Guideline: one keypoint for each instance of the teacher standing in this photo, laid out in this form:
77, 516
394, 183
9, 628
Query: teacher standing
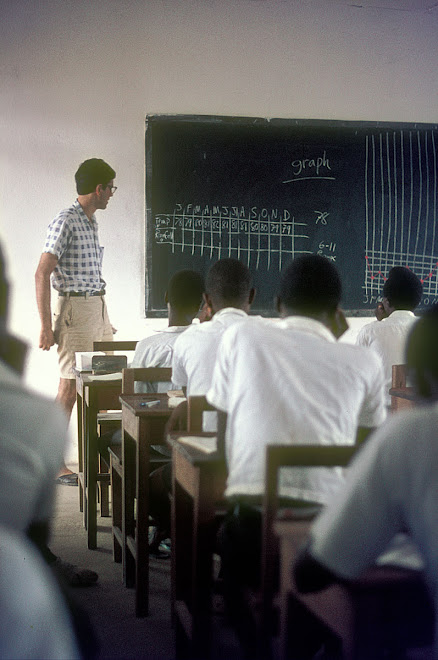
72, 263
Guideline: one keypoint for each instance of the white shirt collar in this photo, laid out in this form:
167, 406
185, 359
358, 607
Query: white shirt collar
227, 311
400, 313
174, 328
307, 325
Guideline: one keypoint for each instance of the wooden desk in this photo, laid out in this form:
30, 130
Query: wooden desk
198, 487
402, 398
386, 607
91, 397
141, 427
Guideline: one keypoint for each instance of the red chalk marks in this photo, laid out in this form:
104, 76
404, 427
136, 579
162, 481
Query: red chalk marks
379, 273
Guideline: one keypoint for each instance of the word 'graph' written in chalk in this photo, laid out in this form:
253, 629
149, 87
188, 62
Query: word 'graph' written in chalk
249, 234
401, 197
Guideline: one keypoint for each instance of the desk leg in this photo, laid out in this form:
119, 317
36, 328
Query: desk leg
128, 522
80, 416
193, 537
92, 466
142, 524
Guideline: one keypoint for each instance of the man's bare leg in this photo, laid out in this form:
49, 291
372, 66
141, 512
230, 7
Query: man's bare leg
67, 398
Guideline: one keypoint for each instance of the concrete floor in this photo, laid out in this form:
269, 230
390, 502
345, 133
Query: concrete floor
109, 605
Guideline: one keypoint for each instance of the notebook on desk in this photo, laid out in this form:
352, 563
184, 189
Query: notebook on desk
205, 444
106, 364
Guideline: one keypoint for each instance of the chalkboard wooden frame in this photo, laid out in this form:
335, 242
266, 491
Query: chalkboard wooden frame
364, 194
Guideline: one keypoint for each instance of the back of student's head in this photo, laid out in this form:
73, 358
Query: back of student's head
422, 351
185, 289
310, 285
228, 283
403, 288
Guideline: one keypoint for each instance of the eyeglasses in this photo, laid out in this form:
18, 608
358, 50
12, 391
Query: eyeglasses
113, 189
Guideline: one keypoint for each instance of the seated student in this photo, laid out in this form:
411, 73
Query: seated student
229, 294
32, 444
287, 382
392, 487
402, 293
183, 299
35, 622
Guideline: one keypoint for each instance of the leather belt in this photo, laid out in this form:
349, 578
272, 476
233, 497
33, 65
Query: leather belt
81, 294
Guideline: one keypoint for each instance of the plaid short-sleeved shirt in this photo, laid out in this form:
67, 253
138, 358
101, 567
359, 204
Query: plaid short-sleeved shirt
74, 240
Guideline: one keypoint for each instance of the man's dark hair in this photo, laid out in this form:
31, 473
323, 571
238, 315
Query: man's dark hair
185, 290
422, 349
92, 172
403, 288
229, 281
310, 285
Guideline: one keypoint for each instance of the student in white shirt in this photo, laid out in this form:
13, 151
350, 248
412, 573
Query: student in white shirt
402, 293
287, 382
392, 487
183, 299
228, 294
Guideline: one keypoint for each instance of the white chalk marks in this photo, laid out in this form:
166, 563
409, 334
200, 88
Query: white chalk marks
254, 235
400, 187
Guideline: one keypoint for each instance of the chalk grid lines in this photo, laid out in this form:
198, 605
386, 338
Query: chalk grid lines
401, 182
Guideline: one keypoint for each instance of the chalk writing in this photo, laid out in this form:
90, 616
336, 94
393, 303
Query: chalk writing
252, 233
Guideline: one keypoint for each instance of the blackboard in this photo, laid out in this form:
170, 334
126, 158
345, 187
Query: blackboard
364, 194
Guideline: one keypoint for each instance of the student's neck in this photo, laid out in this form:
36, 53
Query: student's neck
218, 306
175, 319
88, 206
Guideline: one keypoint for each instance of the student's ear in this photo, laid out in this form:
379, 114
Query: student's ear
338, 323
166, 297
207, 300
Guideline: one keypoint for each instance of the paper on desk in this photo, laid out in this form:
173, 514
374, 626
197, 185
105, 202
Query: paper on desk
208, 445
174, 401
402, 552
175, 393
115, 376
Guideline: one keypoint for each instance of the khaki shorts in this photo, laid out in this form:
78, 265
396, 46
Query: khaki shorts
77, 323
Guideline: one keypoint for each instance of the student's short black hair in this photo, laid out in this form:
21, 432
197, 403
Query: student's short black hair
422, 348
229, 280
310, 284
403, 288
92, 172
185, 289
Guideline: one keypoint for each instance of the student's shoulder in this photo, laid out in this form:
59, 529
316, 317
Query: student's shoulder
369, 331
358, 356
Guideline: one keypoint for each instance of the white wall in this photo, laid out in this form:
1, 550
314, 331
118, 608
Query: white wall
78, 78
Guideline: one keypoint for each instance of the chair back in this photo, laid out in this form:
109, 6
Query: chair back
196, 405
131, 375
398, 375
110, 346
278, 456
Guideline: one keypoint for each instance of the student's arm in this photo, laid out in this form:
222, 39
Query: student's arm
45, 268
178, 418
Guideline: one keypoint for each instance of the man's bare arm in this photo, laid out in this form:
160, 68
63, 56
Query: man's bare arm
45, 268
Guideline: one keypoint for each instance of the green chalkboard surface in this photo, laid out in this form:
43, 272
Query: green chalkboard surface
363, 194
